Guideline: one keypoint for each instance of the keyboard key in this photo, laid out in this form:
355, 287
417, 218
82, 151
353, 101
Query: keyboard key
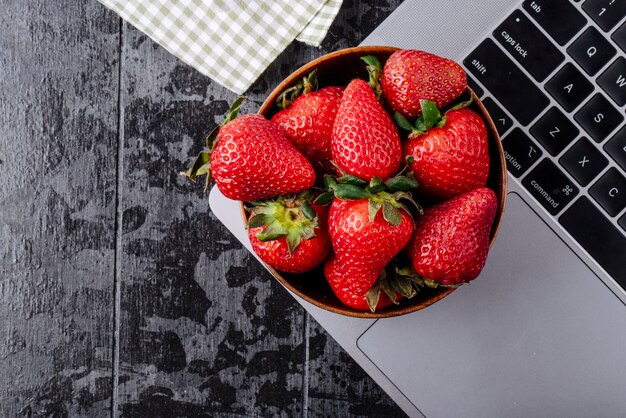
610, 192
475, 87
558, 17
506, 81
528, 45
500, 119
619, 36
598, 117
613, 80
591, 51
520, 152
616, 147
622, 222
606, 13
547, 183
584, 161
554, 131
596, 234
569, 87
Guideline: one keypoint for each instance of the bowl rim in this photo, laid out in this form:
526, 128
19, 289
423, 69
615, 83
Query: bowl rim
391, 311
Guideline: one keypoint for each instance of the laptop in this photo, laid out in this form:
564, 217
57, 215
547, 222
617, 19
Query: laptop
542, 331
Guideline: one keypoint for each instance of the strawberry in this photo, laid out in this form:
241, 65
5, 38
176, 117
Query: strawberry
451, 157
365, 141
251, 159
451, 240
366, 238
410, 76
336, 274
289, 233
308, 124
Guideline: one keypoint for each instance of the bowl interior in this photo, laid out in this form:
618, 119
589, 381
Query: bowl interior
338, 69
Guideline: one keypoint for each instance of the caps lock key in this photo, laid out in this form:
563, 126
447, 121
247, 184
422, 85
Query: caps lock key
528, 45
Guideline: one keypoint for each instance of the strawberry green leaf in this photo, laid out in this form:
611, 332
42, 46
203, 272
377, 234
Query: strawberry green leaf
388, 289
272, 232
403, 286
234, 109
402, 122
350, 192
401, 183
420, 126
200, 166
351, 179
305, 86
372, 208
255, 203
324, 198
431, 283
307, 210
373, 296
293, 240
258, 221
406, 197
376, 185
430, 113
265, 237
391, 214
329, 182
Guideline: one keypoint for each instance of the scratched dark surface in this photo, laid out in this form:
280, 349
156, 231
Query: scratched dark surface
120, 293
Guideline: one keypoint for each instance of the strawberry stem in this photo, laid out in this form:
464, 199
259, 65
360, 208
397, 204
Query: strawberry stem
306, 85
374, 69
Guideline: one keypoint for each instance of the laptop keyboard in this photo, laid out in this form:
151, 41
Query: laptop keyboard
553, 77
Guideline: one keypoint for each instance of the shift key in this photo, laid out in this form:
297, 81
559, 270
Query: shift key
506, 81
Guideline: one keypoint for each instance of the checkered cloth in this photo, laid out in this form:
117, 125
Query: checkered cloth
231, 41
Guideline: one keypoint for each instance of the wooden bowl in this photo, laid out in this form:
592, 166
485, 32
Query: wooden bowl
338, 69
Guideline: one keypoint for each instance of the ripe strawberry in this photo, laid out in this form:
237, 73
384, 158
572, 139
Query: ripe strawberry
410, 76
308, 124
366, 238
336, 274
251, 159
289, 233
451, 240
451, 158
365, 141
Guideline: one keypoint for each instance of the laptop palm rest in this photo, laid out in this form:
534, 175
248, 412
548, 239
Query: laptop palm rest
536, 335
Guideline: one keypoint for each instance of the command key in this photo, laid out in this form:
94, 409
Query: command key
550, 186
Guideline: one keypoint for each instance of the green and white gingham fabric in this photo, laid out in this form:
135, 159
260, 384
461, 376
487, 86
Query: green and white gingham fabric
231, 41
314, 33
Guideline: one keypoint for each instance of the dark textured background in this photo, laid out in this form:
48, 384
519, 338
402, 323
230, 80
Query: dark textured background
119, 291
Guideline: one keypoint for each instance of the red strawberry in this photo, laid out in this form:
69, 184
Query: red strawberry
289, 234
336, 274
366, 238
452, 159
410, 75
251, 159
308, 124
365, 141
451, 240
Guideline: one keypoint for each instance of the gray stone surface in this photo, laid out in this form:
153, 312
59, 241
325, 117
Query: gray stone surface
120, 293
